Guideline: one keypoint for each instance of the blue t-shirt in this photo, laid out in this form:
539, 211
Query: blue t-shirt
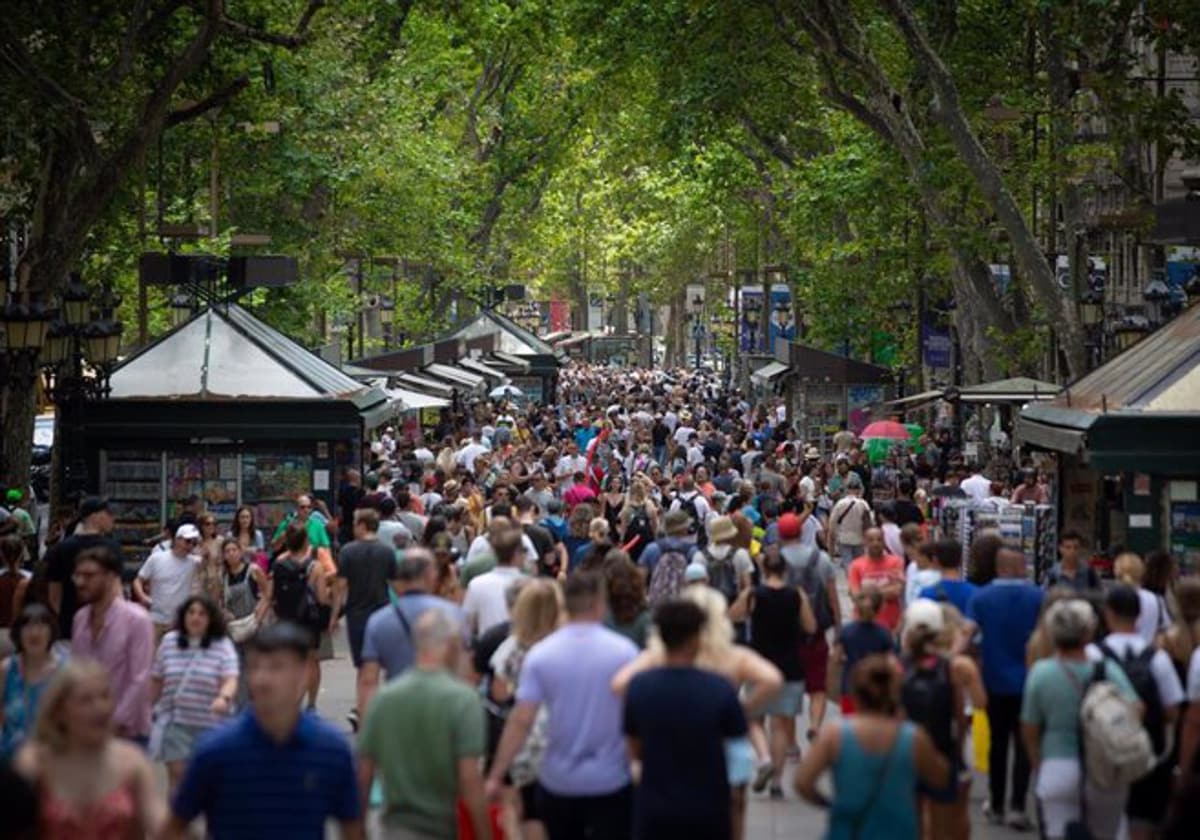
388, 642
247, 785
682, 717
956, 592
860, 639
570, 672
1006, 611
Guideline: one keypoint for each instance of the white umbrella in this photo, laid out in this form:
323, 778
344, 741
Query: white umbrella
505, 392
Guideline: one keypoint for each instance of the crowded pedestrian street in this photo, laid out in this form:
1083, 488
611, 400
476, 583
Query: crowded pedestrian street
578, 420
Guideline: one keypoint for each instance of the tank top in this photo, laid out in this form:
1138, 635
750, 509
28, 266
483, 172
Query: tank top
111, 817
775, 629
21, 701
875, 795
240, 595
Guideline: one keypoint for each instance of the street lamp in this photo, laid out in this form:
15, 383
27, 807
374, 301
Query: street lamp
25, 327
1091, 309
1129, 332
1156, 294
181, 308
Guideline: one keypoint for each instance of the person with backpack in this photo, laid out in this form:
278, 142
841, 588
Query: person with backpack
1080, 723
673, 552
780, 617
298, 594
1161, 693
849, 520
810, 569
933, 695
729, 568
691, 501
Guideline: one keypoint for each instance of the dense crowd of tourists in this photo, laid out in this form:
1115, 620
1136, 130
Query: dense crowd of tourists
622, 615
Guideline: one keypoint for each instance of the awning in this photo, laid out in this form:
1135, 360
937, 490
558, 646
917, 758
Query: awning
1019, 389
769, 372
413, 400
916, 400
456, 375
1045, 436
509, 360
421, 383
476, 366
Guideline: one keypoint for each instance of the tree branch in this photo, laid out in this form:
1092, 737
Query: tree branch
279, 39
214, 100
14, 54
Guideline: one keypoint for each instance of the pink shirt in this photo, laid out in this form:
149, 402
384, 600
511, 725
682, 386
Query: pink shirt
125, 647
887, 570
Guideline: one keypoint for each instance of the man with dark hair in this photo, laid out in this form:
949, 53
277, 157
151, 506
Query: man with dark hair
272, 771
677, 719
1161, 694
583, 782
94, 529
365, 568
947, 555
1072, 569
116, 633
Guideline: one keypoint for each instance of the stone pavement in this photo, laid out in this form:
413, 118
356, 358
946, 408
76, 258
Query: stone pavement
790, 818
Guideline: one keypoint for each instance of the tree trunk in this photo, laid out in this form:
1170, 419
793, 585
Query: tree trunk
988, 179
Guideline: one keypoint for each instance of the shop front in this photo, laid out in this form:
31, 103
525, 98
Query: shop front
230, 412
1127, 437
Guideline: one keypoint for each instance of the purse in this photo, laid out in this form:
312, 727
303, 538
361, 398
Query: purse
158, 728
239, 629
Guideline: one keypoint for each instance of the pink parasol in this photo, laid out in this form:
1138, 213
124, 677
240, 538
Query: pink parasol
886, 429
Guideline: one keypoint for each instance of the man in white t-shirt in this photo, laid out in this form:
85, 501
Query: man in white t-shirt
848, 523
1146, 805
977, 486
466, 456
570, 463
485, 603
169, 572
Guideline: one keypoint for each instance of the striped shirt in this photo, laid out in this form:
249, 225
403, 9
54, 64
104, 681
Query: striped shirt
187, 701
247, 785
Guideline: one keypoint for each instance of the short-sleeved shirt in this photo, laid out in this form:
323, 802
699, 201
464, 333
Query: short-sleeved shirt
1170, 689
248, 785
125, 647
416, 730
170, 577
389, 642
60, 563
191, 677
1193, 677
887, 570
367, 566
1051, 701
956, 592
486, 600
682, 717
570, 672
1006, 612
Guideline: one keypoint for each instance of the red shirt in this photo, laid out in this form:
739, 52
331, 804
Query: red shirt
879, 573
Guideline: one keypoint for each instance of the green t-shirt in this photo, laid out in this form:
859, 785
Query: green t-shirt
482, 564
417, 728
1052, 701
318, 537
636, 631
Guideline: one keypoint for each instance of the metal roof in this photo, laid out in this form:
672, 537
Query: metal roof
456, 375
769, 371
514, 338
1159, 373
226, 352
412, 400
423, 383
476, 366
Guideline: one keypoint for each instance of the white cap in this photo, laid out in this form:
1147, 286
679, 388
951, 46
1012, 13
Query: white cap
187, 531
924, 613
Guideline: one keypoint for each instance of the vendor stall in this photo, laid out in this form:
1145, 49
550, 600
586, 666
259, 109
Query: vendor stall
227, 409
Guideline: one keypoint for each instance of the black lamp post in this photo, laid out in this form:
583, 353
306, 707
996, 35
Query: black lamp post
181, 308
25, 328
1156, 294
79, 356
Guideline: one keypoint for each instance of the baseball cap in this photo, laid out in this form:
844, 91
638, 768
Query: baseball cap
789, 527
187, 531
92, 505
924, 613
695, 573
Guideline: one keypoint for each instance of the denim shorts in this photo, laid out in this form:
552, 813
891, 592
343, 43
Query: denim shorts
789, 701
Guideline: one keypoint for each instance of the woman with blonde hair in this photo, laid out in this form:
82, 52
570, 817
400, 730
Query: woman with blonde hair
1153, 619
536, 614
738, 664
90, 783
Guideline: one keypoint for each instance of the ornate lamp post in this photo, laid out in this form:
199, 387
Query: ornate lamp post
25, 327
78, 358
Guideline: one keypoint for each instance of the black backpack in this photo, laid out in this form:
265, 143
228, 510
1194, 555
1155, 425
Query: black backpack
638, 526
1141, 676
807, 578
928, 700
688, 505
722, 576
294, 598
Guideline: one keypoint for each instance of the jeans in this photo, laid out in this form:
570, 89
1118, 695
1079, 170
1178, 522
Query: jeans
608, 816
1004, 721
